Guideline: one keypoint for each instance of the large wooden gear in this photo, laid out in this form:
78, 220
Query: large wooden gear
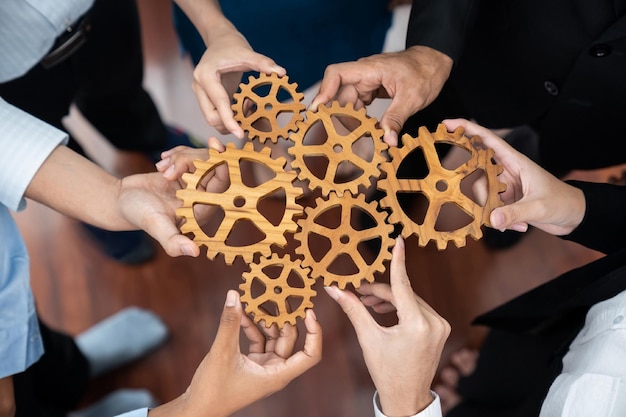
267, 108
239, 202
344, 239
441, 186
289, 291
337, 149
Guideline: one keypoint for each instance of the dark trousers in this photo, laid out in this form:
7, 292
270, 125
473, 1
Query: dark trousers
103, 78
56, 383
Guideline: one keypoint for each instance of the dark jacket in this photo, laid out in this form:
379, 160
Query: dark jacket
530, 334
557, 65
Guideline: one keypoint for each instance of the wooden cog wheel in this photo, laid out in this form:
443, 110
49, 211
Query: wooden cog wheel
239, 202
289, 291
344, 239
441, 186
266, 108
337, 149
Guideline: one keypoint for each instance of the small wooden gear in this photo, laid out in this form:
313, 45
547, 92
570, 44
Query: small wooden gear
239, 202
344, 239
337, 149
266, 107
441, 186
289, 291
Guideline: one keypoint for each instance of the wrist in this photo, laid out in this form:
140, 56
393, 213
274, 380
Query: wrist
403, 404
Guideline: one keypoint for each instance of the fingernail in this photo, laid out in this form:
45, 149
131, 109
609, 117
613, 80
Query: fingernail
162, 162
333, 292
497, 220
186, 250
391, 138
313, 315
400, 242
277, 69
170, 170
231, 299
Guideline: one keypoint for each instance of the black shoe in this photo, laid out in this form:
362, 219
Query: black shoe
127, 247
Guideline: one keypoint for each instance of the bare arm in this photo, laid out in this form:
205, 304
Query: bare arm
75, 186
228, 55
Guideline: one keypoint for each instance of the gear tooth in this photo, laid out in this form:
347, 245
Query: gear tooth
265, 151
459, 242
442, 244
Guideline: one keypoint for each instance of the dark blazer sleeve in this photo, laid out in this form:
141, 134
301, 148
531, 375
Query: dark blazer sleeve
604, 226
439, 24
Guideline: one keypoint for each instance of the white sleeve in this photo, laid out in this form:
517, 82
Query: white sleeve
137, 413
433, 410
25, 143
591, 383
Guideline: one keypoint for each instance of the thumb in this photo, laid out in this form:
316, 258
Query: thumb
393, 119
357, 313
228, 332
515, 216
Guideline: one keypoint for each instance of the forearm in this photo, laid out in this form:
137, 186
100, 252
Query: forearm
208, 18
7, 397
76, 187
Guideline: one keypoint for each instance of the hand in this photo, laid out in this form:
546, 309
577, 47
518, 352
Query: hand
533, 195
218, 74
180, 160
227, 380
7, 397
412, 78
402, 359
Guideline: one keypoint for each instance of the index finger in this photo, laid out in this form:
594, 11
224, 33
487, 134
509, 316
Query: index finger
335, 76
403, 294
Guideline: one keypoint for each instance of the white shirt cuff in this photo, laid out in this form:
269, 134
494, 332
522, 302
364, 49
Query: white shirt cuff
433, 409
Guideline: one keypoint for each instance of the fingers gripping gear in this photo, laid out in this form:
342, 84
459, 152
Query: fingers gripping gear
290, 290
344, 239
239, 202
265, 108
441, 186
337, 149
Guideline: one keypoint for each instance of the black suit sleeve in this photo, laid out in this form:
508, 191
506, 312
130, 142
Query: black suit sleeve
439, 24
604, 226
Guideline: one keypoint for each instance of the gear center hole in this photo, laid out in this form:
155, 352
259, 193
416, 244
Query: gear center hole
268, 107
239, 201
441, 185
344, 239
278, 290
338, 148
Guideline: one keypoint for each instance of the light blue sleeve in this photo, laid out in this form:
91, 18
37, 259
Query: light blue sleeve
433, 410
137, 413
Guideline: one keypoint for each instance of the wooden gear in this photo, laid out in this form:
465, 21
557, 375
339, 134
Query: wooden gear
239, 202
267, 107
344, 239
441, 186
337, 149
278, 291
